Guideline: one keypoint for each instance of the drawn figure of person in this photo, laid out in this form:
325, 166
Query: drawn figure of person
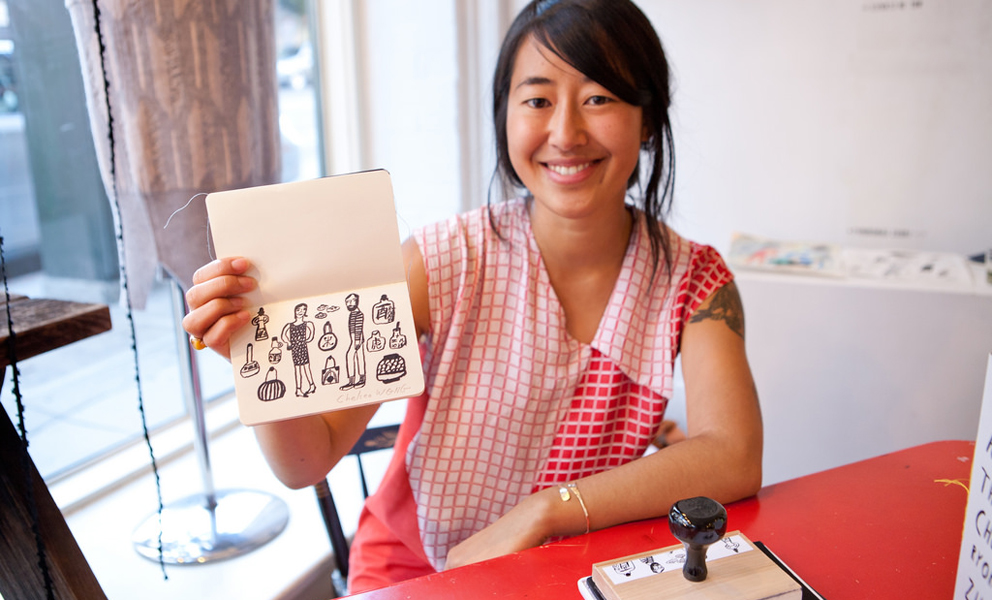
259, 321
299, 333
354, 358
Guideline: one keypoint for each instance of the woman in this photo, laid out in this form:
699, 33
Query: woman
550, 376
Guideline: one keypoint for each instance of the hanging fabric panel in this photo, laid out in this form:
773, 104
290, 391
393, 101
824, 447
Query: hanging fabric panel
189, 88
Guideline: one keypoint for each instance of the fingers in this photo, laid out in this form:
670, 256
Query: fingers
218, 268
216, 308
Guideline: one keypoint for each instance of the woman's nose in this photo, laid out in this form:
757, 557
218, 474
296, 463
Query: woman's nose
567, 128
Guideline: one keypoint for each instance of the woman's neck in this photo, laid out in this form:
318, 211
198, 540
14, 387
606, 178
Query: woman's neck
583, 258
594, 242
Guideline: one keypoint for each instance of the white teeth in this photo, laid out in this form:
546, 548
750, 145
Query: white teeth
563, 170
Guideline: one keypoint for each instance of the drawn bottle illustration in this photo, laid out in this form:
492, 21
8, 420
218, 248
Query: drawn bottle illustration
328, 341
251, 365
375, 342
384, 311
275, 352
259, 321
397, 340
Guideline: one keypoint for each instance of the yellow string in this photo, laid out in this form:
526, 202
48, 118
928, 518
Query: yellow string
948, 482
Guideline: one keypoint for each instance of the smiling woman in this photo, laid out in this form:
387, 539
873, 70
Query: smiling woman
550, 325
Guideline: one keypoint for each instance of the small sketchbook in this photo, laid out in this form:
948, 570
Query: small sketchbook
332, 324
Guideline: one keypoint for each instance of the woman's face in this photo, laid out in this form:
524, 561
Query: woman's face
572, 142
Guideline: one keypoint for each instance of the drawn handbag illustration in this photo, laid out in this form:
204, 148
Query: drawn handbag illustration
251, 365
275, 353
375, 342
397, 340
328, 341
390, 368
272, 388
383, 311
331, 373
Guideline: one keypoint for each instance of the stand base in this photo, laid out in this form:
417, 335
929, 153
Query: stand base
192, 533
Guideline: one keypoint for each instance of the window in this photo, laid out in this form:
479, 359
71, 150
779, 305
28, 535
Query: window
59, 241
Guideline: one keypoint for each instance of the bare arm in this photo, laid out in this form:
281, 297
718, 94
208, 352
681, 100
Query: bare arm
721, 457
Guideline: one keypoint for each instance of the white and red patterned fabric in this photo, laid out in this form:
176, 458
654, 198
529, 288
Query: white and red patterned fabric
514, 404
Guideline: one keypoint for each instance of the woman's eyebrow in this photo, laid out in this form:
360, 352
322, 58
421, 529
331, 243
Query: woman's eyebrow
541, 80
535, 80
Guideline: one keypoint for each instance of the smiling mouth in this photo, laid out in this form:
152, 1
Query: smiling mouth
568, 169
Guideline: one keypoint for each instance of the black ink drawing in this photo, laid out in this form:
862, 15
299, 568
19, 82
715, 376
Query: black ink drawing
275, 352
652, 564
731, 544
300, 332
391, 368
355, 355
625, 568
331, 373
259, 321
328, 341
251, 365
323, 309
397, 340
677, 558
384, 311
375, 342
272, 388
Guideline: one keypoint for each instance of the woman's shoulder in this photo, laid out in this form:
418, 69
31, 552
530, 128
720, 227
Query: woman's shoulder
688, 259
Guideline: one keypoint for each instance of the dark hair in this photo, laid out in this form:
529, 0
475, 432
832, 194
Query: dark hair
613, 43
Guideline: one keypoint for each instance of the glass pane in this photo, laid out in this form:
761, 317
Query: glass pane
295, 67
81, 401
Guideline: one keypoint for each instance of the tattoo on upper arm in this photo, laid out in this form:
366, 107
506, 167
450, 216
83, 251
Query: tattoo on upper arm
725, 305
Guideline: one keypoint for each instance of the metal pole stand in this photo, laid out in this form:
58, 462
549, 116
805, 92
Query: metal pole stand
213, 525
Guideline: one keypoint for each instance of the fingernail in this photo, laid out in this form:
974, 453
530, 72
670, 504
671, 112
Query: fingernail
239, 264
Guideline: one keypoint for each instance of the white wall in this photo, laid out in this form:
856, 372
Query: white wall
861, 123
409, 104
821, 119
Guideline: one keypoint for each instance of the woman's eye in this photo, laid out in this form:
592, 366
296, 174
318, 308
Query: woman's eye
598, 100
536, 103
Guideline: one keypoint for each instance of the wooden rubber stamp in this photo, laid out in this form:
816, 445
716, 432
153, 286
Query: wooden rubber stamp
709, 564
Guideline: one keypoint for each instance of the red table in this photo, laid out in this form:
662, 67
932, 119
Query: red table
886, 527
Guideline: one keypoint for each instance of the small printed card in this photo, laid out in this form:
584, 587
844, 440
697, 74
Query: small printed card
332, 323
974, 577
